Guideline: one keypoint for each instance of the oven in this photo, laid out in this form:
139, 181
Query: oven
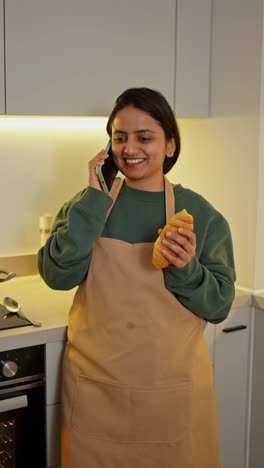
22, 408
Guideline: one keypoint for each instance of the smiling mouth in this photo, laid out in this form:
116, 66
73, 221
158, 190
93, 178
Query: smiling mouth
134, 161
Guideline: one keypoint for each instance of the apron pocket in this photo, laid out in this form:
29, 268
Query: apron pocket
160, 414
131, 414
100, 409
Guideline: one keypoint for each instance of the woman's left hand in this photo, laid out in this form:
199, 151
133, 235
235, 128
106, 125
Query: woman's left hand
181, 246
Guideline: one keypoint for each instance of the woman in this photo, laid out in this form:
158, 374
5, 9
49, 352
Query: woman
137, 377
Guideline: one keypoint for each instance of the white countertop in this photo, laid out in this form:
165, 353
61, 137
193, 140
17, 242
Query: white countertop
259, 300
38, 302
51, 308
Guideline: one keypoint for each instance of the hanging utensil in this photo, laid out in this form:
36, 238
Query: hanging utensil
5, 275
14, 307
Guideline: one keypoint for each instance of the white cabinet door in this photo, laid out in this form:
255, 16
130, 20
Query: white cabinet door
53, 435
256, 448
231, 371
193, 39
210, 339
75, 58
2, 61
54, 355
66, 57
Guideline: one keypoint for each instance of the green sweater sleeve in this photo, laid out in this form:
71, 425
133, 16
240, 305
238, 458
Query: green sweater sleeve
64, 259
206, 285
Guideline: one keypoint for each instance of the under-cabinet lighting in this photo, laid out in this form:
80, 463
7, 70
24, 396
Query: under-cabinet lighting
52, 123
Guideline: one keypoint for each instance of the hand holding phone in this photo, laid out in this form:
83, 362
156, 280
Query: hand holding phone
108, 171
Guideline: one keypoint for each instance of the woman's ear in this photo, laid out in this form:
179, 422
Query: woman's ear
171, 147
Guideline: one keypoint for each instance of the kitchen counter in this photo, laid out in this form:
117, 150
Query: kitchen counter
41, 303
51, 308
258, 300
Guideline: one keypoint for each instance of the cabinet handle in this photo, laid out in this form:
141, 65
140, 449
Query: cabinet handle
233, 329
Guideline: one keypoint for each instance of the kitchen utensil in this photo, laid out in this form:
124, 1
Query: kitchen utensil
5, 275
14, 307
9, 320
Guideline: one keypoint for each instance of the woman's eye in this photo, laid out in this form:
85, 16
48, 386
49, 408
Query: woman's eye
144, 139
119, 139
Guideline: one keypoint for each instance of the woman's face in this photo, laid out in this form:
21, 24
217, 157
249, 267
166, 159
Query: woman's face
139, 148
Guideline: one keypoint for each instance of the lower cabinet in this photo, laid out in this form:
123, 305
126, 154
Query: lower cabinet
232, 352
210, 339
256, 447
53, 417
54, 356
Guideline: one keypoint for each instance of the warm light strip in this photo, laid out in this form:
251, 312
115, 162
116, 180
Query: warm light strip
52, 123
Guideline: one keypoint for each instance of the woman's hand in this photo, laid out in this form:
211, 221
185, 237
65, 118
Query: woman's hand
98, 160
93, 180
181, 245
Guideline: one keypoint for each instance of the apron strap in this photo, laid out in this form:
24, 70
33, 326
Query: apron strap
114, 194
169, 198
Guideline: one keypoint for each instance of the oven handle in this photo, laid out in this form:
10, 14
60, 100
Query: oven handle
13, 403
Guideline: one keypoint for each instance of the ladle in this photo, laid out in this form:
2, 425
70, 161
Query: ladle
14, 307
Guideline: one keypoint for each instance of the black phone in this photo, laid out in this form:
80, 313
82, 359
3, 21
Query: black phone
108, 171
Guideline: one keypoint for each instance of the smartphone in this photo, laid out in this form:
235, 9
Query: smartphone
108, 172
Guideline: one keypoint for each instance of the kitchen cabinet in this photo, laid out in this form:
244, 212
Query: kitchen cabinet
210, 339
232, 377
256, 446
53, 420
75, 58
193, 48
54, 356
2, 61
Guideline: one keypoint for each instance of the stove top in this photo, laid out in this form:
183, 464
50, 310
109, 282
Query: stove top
11, 320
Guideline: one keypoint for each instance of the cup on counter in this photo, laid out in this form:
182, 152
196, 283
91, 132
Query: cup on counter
45, 226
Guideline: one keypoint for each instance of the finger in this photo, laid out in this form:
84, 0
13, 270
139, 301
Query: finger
100, 158
185, 251
115, 186
180, 242
187, 233
175, 259
97, 160
187, 239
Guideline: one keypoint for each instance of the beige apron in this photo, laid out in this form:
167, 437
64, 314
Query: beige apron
137, 378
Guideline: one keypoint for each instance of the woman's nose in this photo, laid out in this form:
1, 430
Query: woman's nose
131, 147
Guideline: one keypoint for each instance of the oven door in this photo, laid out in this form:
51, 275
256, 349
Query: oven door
22, 426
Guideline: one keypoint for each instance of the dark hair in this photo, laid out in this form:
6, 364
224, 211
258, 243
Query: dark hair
153, 103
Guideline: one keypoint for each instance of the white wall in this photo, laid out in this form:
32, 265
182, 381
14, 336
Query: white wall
43, 164
42, 167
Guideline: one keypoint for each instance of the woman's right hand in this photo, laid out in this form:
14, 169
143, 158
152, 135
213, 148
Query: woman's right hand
93, 180
98, 160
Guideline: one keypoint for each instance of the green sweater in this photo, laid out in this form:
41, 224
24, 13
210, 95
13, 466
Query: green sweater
205, 286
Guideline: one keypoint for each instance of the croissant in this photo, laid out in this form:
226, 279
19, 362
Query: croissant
180, 219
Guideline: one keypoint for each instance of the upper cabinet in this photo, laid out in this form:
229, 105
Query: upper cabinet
193, 51
2, 60
75, 58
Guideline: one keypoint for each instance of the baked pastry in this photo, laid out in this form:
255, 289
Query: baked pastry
180, 219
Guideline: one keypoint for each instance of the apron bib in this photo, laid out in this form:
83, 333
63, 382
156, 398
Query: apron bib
137, 375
